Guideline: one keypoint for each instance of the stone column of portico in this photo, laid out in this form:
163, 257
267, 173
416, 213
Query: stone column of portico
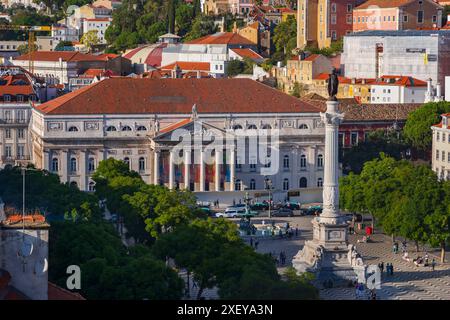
83, 171
331, 118
202, 171
232, 168
46, 160
187, 169
171, 170
156, 155
219, 158
64, 163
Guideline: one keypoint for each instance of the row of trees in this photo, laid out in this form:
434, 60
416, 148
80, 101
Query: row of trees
169, 223
166, 225
404, 199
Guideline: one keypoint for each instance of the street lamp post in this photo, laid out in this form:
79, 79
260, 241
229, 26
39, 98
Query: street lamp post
269, 187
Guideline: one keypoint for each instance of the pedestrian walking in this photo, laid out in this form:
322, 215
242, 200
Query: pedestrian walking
256, 244
433, 264
251, 242
281, 258
391, 267
194, 284
381, 266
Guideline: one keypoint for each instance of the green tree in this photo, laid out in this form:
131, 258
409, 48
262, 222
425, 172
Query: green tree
202, 26
90, 39
285, 37
298, 90
183, 18
23, 48
417, 128
62, 44
171, 16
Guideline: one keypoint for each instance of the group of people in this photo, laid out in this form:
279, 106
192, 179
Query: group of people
389, 268
361, 292
419, 261
279, 259
216, 204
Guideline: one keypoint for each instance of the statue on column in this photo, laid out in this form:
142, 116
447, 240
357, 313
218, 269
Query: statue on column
333, 85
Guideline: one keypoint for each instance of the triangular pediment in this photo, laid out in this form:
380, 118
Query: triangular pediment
195, 128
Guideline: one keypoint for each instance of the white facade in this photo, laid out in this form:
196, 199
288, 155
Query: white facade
441, 148
55, 72
385, 94
421, 54
63, 33
194, 53
99, 25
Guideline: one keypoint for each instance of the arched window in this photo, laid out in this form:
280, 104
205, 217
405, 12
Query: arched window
126, 128
303, 182
73, 165
55, 165
252, 127
74, 184
73, 129
320, 161
127, 161
141, 128
91, 165
237, 185
303, 126
286, 162
237, 127
111, 128
91, 186
141, 164
286, 184
252, 184
303, 161
320, 182
267, 126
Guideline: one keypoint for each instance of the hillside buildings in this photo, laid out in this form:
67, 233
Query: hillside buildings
397, 15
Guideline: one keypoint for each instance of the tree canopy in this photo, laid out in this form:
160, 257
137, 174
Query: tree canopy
417, 128
406, 200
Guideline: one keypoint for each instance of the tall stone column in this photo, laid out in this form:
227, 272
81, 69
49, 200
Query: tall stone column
83, 171
171, 170
232, 168
331, 118
64, 164
156, 167
46, 160
202, 171
187, 169
219, 158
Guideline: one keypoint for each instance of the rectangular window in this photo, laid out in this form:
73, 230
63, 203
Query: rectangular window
448, 157
333, 35
420, 16
443, 155
21, 133
349, 7
8, 151
333, 7
333, 19
349, 19
354, 138
405, 18
20, 151
438, 136
7, 133
434, 19
437, 154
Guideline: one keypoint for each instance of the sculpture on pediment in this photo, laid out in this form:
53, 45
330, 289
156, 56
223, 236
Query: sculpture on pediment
156, 125
194, 114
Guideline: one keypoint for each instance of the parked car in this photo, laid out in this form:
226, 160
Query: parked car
283, 212
231, 213
208, 211
292, 205
260, 206
313, 210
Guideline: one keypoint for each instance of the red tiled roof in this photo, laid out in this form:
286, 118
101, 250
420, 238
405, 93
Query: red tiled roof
92, 73
343, 80
248, 53
222, 38
56, 55
383, 4
98, 19
189, 66
176, 125
400, 81
312, 57
107, 56
154, 74
439, 125
14, 89
57, 293
123, 95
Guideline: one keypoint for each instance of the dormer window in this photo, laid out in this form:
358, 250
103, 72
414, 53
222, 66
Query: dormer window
19, 98
7, 98
73, 129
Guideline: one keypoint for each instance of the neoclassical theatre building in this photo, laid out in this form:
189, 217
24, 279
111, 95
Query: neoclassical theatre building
140, 121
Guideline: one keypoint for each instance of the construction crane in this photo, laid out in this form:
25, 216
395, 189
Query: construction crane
31, 39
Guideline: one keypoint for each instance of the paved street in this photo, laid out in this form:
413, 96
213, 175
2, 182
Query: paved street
408, 281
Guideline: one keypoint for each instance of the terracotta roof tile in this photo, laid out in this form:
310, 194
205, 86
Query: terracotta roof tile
176, 125
222, 38
64, 55
123, 95
188, 66
248, 53
57, 293
15, 84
